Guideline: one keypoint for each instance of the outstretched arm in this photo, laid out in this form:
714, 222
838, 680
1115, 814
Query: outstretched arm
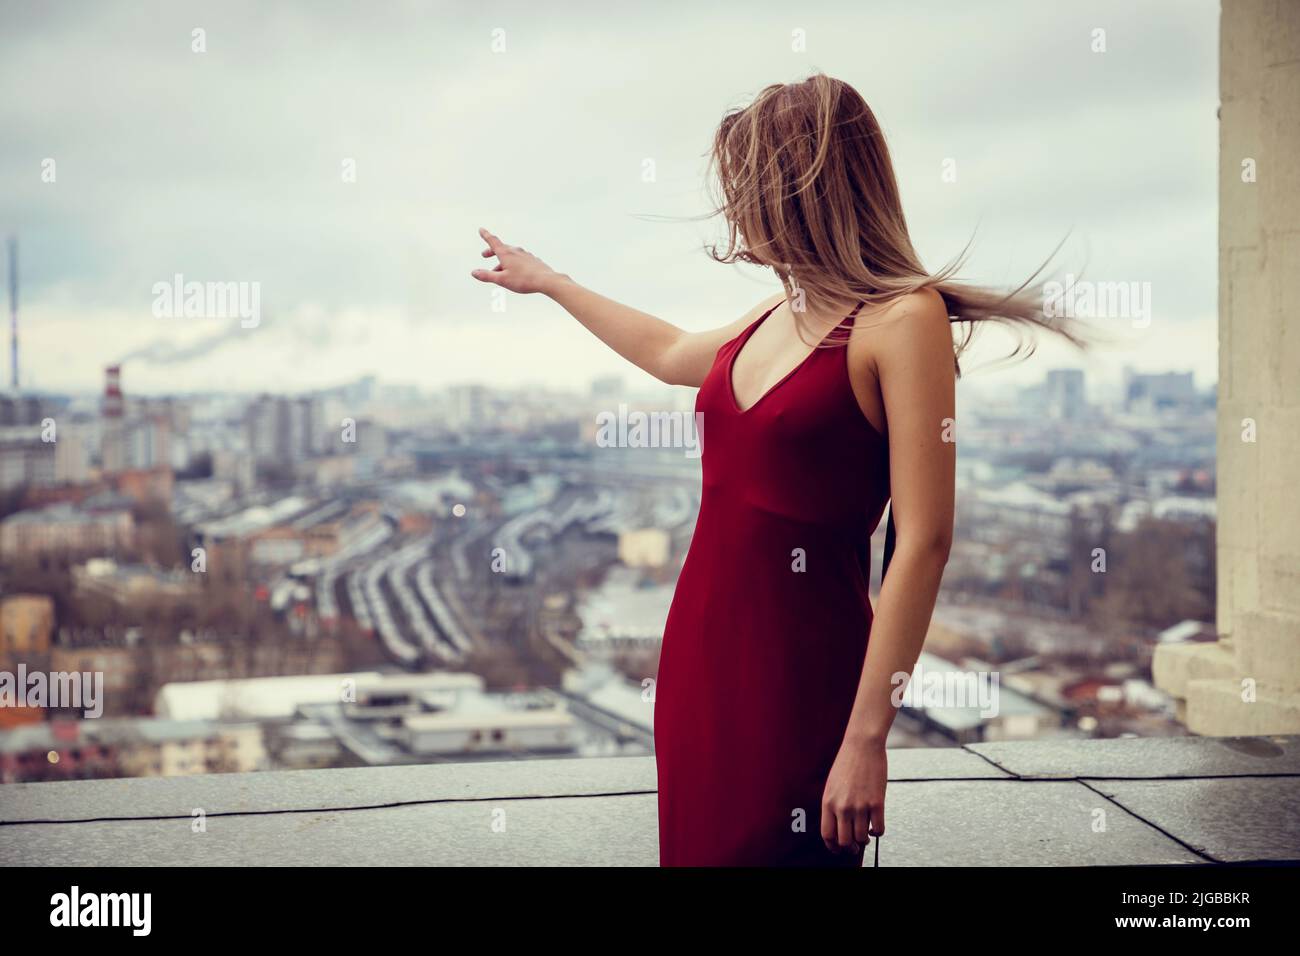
668, 353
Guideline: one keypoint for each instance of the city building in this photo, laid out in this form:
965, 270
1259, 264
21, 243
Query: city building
1154, 391
172, 748
957, 713
469, 407
1065, 393
132, 747
505, 731
26, 625
67, 530
132, 584
20, 410
284, 429
644, 547
72, 456
26, 460
623, 614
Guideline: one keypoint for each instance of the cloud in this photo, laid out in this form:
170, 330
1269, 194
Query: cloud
226, 165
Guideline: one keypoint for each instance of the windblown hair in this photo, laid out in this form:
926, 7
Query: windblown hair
808, 189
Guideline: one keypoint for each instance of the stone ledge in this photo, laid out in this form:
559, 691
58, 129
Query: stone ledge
338, 789
355, 788
1108, 802
1150, 757
1174, 665
1216, 707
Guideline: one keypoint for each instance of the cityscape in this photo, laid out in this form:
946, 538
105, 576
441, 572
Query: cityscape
378, 573
282, 486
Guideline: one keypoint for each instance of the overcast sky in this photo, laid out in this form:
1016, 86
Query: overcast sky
226, 165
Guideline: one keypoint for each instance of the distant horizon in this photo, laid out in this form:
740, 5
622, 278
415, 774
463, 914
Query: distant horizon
1092, 383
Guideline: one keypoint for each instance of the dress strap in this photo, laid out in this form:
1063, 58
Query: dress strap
842, 331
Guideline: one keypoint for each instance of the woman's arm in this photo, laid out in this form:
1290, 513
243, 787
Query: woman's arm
911, 357
668, 353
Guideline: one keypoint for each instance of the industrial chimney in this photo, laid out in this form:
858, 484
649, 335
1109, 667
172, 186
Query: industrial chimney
113, 450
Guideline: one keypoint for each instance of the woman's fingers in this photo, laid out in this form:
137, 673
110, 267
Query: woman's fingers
495, 248
495, 244
847, 843
847, 830
862, 831
830, 829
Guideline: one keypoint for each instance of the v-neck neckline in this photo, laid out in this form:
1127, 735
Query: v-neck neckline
744, 340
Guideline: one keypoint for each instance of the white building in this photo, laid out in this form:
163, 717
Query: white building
501, 731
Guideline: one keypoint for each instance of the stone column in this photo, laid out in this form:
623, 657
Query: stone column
1249, 681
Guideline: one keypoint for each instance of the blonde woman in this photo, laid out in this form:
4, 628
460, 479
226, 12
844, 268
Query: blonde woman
826, 401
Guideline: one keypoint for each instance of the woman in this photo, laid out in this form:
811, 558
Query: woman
820, 405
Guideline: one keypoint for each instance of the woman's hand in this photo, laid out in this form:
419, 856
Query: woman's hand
853, 804
660, 348
517, 269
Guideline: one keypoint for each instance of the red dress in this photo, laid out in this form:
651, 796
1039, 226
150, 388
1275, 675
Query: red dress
765, 639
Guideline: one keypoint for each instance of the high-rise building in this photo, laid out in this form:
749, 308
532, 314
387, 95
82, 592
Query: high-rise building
1144, 391
265, 432
1065, 394
26, 461
20, 410
284, 429
304, 427
72, 454
148, 442
468, 406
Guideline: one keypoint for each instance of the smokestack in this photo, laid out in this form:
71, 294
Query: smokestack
13, 310
113, 392
113, 439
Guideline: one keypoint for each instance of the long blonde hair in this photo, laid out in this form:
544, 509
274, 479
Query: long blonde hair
807, 189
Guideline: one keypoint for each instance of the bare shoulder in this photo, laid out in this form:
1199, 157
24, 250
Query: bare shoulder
911, 324
916, 313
